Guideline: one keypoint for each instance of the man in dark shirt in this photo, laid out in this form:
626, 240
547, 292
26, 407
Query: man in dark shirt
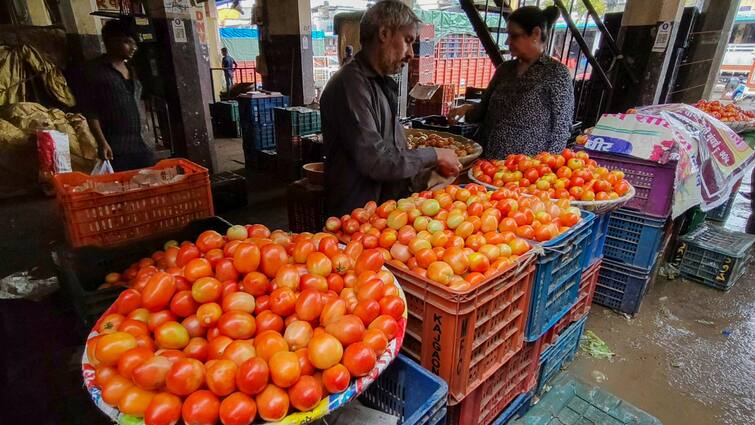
111, 101
365, 147
228, 64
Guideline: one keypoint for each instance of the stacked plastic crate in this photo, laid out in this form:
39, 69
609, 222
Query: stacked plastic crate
422, 66
291, 124
225, 119
258, 125
635, 232
439, 104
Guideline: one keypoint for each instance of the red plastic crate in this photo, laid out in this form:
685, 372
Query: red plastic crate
93, 218
426, 32
465, 337
422, 65
515, 377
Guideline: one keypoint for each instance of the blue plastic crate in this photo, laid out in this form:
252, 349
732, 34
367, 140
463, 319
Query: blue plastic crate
633, 239
553, 358
410, 392
571, 401
597, 239
556, 285
264, 137
516, 409
621, 287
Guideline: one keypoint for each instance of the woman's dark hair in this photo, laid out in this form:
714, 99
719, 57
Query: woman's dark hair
531, 17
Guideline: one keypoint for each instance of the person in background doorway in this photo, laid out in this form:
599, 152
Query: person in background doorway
528, 105
367, 158
111, 101
229, 65
348, 54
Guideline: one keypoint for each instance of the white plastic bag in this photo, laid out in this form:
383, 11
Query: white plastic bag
102, 167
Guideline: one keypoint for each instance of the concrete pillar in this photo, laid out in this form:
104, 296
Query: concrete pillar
651, 15
286, 45
82, 28
183, 56
38, 14
214, 46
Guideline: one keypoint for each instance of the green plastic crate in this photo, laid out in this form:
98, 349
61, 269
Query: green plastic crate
572, 402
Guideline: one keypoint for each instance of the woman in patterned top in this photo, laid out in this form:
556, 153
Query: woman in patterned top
528, 105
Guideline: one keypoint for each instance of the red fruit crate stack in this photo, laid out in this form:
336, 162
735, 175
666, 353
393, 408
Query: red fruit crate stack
421, 70
439, 104
426, 32
463, 72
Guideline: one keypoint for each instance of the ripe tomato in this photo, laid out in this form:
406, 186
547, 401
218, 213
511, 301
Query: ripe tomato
128, 301
305, 394
225, 270
348, 329
267, 320
209, 314
221, 376
197, 348
239, 301
237, 325
102, 374
456, 259
324, 351
196, 268
284, 368
237, 409
309, 305
150, 375
336, 379
141, 314
246, 257
283, 302
268, 343
392, 306
319, 264
272, 257
208, 240
216, 347
131, 359
371, 260
159, 290
307, 368
272, 403
375, 339
206, 289
328, 245
335, 282
367, 310
370, 290
194, 326
332, 311
114, 389
186, 253
258, 231
298, 334
386, 324
110, 347
239, 351
110, 323
185, 376
359, 359
165, 409
182, 304
201, 408
252, 376
171, 335
135, 401
256, 284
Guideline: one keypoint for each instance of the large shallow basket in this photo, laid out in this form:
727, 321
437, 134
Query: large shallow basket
326, 406
466, 161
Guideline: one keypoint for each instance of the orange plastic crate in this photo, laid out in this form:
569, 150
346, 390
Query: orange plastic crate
93, 218
516, 376
464, 337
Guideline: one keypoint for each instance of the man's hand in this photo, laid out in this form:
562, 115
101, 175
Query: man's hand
448, 162
105, 152
456, 114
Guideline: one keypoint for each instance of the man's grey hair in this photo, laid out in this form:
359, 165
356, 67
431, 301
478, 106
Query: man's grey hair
391, 14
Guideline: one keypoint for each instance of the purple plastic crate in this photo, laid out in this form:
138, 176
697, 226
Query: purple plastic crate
653, 182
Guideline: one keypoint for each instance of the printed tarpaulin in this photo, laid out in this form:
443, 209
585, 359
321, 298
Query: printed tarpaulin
711, 157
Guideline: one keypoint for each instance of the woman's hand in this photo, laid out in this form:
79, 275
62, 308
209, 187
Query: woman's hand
456, 114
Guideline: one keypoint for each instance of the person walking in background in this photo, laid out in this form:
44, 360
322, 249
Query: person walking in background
229, 65
348, 55
111, 101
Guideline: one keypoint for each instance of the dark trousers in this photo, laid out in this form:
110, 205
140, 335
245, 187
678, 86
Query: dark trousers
228, 82
132, 161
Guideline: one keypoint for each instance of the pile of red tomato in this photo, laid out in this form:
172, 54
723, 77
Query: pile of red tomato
725, 113
244, 325
568, 175
458, 237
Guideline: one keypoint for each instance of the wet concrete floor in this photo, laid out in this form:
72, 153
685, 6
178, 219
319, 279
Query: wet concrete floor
688, 356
